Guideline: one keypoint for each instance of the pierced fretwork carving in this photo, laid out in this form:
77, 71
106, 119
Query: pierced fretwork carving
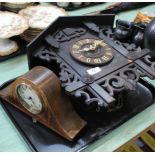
47, 55
113, 85
88, 100
147, 59
68, 34
69, 79
131, 47
125, 79
116, 105
67, 76
128, 49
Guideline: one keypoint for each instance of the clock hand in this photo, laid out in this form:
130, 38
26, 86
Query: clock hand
96, 44
30, 99
91, 47
84, 50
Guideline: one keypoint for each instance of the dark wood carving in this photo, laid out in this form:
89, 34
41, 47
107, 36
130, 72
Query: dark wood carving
116, 77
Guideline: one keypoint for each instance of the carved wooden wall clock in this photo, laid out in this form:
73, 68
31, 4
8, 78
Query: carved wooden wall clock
89, 61
101, 76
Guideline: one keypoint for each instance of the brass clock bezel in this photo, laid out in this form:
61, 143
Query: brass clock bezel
39, 93
88, 63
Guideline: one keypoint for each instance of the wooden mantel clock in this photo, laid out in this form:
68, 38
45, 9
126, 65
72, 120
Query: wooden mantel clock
88, 79
38, 93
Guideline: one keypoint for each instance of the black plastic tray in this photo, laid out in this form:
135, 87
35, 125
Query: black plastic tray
40, 138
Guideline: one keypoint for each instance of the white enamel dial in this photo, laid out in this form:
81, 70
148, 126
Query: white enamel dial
29, 98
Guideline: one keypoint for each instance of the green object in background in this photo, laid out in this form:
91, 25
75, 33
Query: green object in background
10, 138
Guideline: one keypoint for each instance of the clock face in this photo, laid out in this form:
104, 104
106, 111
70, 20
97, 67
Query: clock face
29, 98
92, 51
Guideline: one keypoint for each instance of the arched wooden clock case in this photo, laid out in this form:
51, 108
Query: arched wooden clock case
102, 76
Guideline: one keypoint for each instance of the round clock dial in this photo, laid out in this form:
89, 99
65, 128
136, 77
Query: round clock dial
29, 98
92, 51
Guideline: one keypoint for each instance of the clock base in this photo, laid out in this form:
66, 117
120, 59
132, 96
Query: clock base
40, 138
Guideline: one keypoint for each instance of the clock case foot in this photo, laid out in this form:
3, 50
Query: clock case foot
40, 138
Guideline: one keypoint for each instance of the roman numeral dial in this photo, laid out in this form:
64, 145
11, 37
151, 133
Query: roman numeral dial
92, 51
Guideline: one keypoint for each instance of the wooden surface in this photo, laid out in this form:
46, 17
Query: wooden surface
10, 138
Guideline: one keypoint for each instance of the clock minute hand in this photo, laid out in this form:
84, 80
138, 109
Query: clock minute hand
91, 47
84, 50
96, 44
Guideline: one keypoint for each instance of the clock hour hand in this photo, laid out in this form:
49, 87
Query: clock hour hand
94, 45
84, 50
90, 48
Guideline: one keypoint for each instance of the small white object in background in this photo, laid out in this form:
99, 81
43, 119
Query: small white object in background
76, 4
63, 4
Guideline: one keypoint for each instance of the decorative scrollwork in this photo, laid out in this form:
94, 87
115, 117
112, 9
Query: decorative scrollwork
113, 84
88, 100
68, 34
118, 82
47, 55
116, 105
125, 79
130, 73
108, 32
147, 59
129, 46
69, 80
